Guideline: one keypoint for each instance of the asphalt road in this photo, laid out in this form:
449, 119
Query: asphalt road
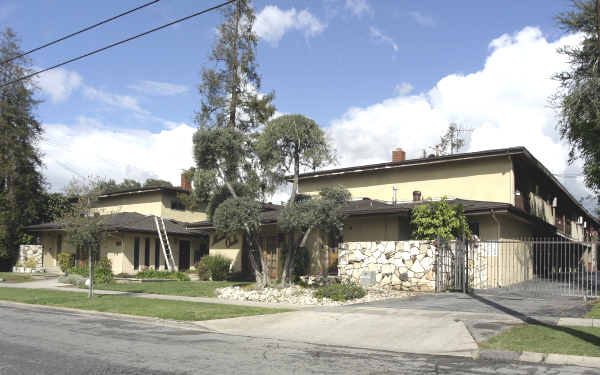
45, 341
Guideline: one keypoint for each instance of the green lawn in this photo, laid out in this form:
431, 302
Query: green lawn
178, 310
543, 339
15, 277
174, 288
593, 313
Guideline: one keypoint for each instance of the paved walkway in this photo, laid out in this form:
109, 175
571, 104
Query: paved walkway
53, 284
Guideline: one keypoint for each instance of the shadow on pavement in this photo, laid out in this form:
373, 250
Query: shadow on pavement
592, 339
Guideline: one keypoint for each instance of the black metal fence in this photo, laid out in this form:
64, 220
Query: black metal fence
533, 266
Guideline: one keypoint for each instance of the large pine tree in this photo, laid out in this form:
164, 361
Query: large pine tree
578, 97
21, 184
226, 179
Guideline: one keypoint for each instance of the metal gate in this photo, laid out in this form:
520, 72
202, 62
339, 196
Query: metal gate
451, 258
532, 266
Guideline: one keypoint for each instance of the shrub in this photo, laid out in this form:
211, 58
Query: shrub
30, 263
73, 279
103, 271
154, 274
203, 273
65, 261
83, 271
217, 266
340, 291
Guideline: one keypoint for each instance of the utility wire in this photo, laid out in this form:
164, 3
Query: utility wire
118, 43
79, 32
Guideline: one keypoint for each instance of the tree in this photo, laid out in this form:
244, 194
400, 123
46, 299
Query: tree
299, 219
56, 206
21, 183
83, 228
231, 111
451, 142
439, 219
153, 182
286, 144
578, 96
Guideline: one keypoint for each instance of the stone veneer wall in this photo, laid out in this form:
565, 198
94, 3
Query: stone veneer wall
31, 251
407, 265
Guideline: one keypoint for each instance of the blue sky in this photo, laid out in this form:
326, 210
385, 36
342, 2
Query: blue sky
375, 74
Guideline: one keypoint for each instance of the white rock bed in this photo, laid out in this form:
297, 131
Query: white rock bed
301, 296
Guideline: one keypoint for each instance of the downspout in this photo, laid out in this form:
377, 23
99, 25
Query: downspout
497, 222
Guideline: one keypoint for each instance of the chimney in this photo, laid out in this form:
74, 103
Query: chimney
398, 155
185, 183
416, 196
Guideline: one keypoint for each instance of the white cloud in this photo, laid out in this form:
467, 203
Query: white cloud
114, 100
404, 88
359, 7
380, 36
58, 83
506, 103
90, 148
158, 88
422, 19
272, 23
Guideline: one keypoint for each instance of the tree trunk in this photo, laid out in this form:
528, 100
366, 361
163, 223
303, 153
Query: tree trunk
288, 265
262, 276
598, 35
234, 69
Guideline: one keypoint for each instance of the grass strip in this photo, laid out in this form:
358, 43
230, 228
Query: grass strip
584, 341
14, 277
172, 288
178, 310
593, 313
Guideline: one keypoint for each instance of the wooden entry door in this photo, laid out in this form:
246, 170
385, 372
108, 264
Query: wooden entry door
184, 255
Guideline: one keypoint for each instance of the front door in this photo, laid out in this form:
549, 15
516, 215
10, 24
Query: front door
184, 255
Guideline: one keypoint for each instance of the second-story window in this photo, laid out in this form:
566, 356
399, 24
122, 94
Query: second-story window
176, 204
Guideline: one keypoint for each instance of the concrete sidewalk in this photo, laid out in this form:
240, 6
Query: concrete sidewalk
53, 284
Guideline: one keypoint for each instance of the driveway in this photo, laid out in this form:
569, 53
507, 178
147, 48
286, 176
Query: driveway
513, 305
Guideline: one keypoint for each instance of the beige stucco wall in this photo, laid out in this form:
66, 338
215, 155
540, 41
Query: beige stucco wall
376, 228
484, 179
145, 204
232, 251
153, 203
118, 248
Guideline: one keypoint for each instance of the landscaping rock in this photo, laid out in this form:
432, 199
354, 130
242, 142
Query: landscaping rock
408, 265
300, 296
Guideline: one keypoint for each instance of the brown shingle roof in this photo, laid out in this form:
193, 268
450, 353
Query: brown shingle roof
127, 222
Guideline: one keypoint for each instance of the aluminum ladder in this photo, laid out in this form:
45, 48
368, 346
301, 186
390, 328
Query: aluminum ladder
161, 229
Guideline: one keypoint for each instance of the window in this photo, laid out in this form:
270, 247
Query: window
147, 252
59, 244
156, 253
136, 253
177, 204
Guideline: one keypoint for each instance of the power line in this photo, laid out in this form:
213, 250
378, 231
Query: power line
119, 43
79, 32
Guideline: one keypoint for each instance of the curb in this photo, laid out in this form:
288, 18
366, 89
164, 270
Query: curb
547, 358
